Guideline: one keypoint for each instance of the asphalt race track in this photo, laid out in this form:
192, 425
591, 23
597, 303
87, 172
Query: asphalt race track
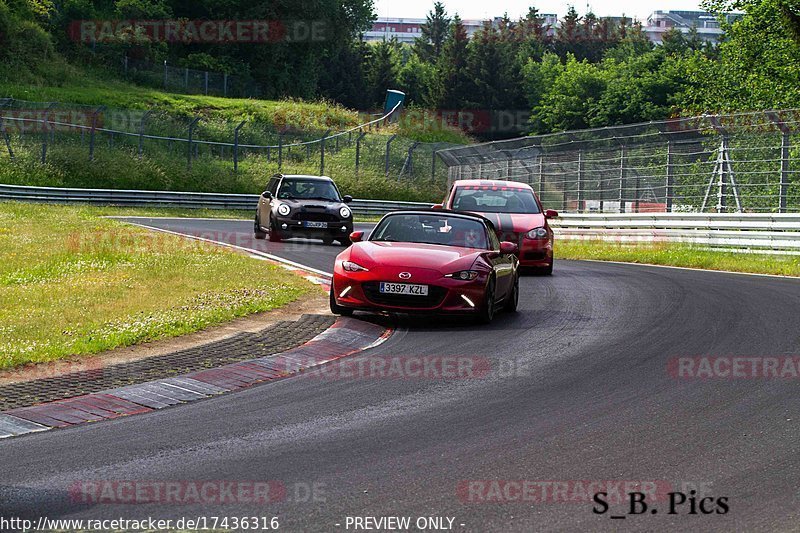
585, 394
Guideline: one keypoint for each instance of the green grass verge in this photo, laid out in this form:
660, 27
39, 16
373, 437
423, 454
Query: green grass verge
164, 167
73, 283
679, 255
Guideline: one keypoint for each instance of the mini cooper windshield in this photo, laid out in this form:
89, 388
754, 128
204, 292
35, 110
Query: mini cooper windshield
305, 189
432, 229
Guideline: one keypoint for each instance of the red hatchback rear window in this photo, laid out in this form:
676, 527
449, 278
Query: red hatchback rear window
495, 200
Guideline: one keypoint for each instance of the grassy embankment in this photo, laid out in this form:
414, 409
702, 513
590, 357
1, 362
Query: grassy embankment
164, 165
72, 283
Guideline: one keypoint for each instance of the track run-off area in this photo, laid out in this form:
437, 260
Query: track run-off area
582, 387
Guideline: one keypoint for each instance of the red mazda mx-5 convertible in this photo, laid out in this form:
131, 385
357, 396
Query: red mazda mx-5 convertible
427, 261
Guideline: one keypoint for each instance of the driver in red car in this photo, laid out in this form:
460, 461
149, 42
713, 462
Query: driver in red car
517, 215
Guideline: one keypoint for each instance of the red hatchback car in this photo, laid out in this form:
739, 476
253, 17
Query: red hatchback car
427, 261
516, 213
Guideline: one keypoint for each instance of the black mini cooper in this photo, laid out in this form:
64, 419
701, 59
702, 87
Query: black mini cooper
303, 206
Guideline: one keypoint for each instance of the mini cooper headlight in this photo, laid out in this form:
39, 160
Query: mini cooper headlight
344, 212
464, 275
538, 233
284, 210
353, 267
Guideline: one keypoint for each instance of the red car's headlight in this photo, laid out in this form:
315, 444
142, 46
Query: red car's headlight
353, 267
538, 233
464, 275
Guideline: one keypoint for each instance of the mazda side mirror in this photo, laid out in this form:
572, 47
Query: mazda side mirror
356, 236
508, 247
551, 213
266, 195
347, 198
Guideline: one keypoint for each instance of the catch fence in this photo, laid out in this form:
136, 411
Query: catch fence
745, 162
45, 132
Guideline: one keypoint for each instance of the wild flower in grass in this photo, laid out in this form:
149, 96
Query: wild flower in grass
48, 273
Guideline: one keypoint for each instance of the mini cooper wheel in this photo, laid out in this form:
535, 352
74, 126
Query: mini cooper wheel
337, 309
274, 236
257, 231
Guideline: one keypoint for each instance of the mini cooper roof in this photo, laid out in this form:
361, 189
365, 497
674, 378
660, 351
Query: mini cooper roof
303, 176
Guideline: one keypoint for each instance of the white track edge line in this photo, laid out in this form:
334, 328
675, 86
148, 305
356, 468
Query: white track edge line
240, 248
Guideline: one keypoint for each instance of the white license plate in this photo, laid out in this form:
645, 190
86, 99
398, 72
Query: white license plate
316, 224
404, 288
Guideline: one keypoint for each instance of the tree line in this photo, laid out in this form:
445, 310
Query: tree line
588, 72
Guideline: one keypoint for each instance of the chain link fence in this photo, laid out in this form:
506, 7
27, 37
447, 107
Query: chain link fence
213, 155
746, 162
177, 79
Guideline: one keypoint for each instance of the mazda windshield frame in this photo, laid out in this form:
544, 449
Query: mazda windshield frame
485, 244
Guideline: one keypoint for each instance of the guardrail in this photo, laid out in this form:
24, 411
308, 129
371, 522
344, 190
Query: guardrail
188, 200
757, 231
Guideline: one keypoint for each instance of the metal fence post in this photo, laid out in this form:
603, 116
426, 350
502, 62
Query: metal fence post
322, 152
408, 164
786, 145
722, 191
580, 181
45, 134
358, 150
205, 83
125, 64
6, 138
637, 192
236, 146
388, 152
225, 84
186, 79
433, 165
165, 74
93, 131
192, 125
622, 156
670, 177
541, 176
141, 131
280, 150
